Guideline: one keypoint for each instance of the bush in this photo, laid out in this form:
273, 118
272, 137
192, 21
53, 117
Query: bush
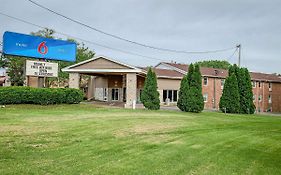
42, 96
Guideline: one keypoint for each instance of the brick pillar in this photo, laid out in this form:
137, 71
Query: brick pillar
74, 80
131, 88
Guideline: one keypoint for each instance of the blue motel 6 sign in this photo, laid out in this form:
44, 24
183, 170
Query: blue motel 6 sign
38, 47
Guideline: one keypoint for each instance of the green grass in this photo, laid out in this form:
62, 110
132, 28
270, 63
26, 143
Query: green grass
82, 139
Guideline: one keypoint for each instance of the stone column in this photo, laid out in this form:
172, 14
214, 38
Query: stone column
90, 93
74, 80
131, 90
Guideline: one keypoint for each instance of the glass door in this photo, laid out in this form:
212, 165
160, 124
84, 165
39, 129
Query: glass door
115, 94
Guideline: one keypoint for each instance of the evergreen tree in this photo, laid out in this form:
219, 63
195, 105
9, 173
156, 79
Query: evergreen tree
182, 101
245, 89
195, 97
150, 95
190, 95
230, 99
246, 94
190, 72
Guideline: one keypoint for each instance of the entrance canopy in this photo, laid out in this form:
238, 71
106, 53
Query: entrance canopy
110, 80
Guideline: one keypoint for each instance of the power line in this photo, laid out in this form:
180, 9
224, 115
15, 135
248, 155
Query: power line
232, 54
124, 39
86, 41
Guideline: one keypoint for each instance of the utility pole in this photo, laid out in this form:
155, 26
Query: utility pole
239, 54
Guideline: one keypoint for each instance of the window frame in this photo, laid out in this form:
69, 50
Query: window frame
173, 93
205, 95
254, 84
260, 98
113, 93
207, 81
222, 83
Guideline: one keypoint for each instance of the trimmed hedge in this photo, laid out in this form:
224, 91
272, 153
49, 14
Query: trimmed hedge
42, 96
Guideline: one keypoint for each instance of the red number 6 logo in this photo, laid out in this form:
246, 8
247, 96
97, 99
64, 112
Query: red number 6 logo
42, 48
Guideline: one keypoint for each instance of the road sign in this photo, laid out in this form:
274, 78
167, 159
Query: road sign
38, 47
41, 69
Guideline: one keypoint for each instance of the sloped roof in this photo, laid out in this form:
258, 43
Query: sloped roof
265, 77
222, 73
91, 66
165, 73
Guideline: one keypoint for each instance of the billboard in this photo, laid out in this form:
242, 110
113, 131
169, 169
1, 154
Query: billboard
41, 69
38, 47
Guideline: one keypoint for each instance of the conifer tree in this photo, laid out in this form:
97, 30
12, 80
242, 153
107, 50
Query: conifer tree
182, 101
245, 89
230, 99
195, 97
190, 95
150, 95
246, 94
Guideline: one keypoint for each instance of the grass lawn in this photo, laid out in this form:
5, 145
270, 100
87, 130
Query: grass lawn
82, 139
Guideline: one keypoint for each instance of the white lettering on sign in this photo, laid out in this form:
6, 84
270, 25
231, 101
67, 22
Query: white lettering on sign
21, 44
41, 69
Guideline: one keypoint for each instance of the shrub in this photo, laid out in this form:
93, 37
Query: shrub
42, 96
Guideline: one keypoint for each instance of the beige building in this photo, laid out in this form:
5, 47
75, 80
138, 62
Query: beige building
113, 81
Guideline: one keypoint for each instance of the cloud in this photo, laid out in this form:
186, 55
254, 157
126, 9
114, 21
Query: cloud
193, 25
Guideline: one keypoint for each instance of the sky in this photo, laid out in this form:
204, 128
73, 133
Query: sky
190, 25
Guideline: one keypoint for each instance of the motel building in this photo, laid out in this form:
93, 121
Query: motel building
115, 82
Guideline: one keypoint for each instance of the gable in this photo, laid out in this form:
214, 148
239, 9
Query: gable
101, 63
163, 66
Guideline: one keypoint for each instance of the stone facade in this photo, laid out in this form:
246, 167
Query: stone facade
131, 86
74, 80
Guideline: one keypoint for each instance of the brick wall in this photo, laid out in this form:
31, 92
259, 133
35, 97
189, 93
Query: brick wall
276, 97
213, 91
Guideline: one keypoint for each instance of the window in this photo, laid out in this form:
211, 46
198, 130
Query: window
175, 95
270, 86
205, 96
172, 95
164, 95
269, 98
115, 94
254, 97
253, 84
259, 84
205, 81
222, 83
260, 98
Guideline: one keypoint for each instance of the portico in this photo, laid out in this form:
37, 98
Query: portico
110, 80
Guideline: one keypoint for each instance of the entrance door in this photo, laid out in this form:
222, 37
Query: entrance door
115, 94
